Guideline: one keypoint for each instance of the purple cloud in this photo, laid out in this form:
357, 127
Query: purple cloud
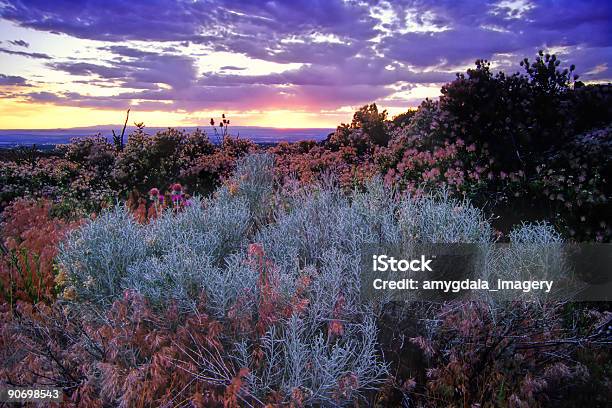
10, 80
476, 30
36, 55
44, 97
20, 43
231, 68
185, 20
137, 69
86, 69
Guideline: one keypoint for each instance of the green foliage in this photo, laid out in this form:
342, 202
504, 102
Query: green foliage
520, 117
156, 160
22, 273
367, 129
372, 122
404, 119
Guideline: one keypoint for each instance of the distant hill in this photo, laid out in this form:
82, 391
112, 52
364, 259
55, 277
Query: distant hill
28, 137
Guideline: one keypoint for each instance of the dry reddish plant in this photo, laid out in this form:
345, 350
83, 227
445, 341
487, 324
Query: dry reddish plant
31, 236
131, 356
519, 356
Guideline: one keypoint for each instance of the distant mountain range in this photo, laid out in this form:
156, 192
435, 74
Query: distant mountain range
29, 137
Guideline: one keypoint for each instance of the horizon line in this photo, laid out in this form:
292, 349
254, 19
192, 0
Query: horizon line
171, 127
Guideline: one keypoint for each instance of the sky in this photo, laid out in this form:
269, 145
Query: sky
291, 64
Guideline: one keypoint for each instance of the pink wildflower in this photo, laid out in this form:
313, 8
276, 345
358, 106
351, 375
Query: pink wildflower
256, 251
154, 194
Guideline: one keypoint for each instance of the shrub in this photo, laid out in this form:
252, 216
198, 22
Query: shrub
520, 116
477, 355
191, 252
439, 218
74, 187
95, 258
152, 161
31, 236
206, 172
129, 356
43, 178
93, 152
308, 162
514, 143
254, 180
177, 256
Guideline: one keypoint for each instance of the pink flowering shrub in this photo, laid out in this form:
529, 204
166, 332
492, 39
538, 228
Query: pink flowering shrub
44, 177
455, 166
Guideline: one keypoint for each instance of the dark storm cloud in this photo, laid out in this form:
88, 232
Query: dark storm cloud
351, 52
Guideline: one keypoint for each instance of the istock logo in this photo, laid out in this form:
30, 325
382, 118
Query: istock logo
383, 263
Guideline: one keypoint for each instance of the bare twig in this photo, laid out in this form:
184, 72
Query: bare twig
118, 140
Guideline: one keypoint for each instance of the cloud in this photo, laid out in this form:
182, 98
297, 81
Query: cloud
475, 30
9, 80
350, 72
231, 68
44, 97
136, 69
86, 69
189, 20
36, 55
20, 43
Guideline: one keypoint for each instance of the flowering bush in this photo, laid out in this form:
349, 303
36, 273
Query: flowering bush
91, 174
306, 162
44, 177
73, 188
92, 152
575, 181
454, 166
